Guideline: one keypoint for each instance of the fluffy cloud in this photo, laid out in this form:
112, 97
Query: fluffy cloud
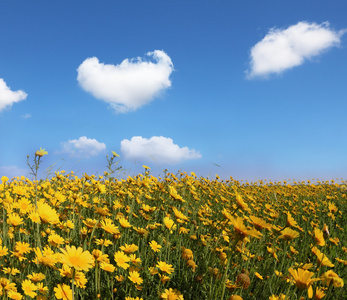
158, 148
8, 97
83, 147
282, 49
129, 85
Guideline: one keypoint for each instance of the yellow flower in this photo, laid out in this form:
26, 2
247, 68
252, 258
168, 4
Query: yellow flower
318, 237
322, 259
171, 294
124, 222
114, 154
55, 240
11, 271
169, 223
329, 276
187, 253
155, 246
122, 259
108, 226
134, 276
107, 267
241, 231
14, 295
23, 247
319, 294
14, 220
288, 234
127, 249
302, 279
47, 214
46, 257
36, 277
164, 267
63, 291
3, 251
77, 258
29, 288
41, 152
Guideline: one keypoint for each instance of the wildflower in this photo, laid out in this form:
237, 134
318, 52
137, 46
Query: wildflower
63, 291
114, 154
14, 219
240, 203
122, 259
77, 258
55, 240
191, 264
280, 297
326, 231
46, 257
134, 276
47, 214
102, 242
322, 259
80, 280
11, 271
127, 249
107, 267
319, 294
29, 288
155, 246
258, 275
3, 251
124, 223
135, 260
259, 223
41, 152
241, 231
14, 295
169, 223
36, 277
108, 226
25, 205
235, 297
331, 276
318, 237
302, 279
23, 247
164, 267
288, 234
171, 294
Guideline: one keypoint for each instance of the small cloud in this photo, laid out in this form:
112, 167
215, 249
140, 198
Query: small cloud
158, 148
13, 171
129, 85
26, 116
83, 147
283, 49
8, 97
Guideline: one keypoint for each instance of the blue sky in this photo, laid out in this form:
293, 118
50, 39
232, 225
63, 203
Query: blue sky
248, 89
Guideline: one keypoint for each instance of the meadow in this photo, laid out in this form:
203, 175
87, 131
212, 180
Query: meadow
178, 236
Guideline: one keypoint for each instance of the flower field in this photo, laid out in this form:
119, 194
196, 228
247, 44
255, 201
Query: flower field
171, 237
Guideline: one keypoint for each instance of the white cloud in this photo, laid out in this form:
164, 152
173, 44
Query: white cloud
83, 147
129, 85
8, 97
158, 148
26, 116
13, 171
282, 49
